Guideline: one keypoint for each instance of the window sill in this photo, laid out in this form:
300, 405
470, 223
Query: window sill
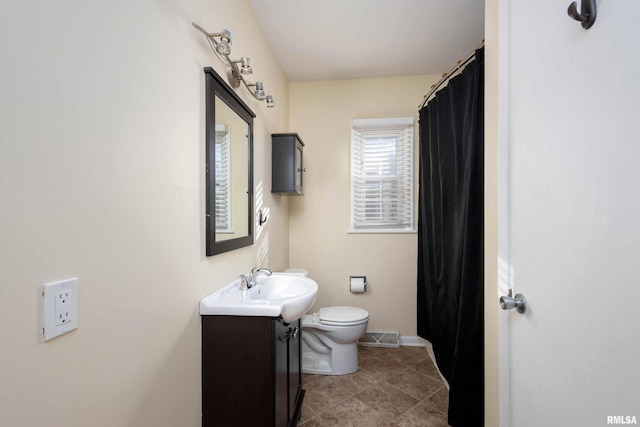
381, 231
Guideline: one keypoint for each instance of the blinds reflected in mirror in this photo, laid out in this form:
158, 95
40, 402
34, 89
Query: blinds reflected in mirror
223, 183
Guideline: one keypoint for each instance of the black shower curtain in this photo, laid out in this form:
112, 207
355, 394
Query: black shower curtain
451, 238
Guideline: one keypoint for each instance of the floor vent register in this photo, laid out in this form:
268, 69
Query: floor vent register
380, 339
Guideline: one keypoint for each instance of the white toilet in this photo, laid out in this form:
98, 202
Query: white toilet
330, 340
330, 337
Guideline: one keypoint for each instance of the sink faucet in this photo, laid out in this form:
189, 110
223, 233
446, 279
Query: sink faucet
244, 282
251, 280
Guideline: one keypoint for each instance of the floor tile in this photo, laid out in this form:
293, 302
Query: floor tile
387, 398
417, 385
355, 413
393, 387
359, 381
421, 415
306, 413
440, 400
323, 393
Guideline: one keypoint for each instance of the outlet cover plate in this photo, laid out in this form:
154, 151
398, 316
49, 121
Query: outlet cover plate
60, 307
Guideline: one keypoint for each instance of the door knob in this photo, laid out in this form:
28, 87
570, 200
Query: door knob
519, 303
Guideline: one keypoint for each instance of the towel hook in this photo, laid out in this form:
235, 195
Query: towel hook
587, 14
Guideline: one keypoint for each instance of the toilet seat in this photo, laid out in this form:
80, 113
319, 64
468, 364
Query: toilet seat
342, 316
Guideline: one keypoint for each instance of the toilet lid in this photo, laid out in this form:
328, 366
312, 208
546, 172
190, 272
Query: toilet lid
342, 315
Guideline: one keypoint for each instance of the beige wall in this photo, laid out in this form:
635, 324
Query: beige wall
321, 112
101, 177
496, 158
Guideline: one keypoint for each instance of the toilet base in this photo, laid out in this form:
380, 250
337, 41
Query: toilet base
339, 361
311, 364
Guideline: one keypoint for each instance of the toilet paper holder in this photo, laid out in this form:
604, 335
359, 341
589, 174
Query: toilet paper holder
357, 284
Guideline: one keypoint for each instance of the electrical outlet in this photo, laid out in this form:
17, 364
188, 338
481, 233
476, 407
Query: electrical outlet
60, 307
63, 308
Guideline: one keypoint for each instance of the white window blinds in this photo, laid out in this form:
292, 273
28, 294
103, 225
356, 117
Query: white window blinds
382, 174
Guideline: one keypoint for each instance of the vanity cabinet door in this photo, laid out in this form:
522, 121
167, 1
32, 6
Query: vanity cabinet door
289, 393
237, 372
281, 348
287, 164
296, 394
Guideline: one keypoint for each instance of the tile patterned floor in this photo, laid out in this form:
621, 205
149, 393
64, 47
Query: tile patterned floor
394, 387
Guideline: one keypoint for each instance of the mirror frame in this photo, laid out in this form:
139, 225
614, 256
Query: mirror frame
216, 86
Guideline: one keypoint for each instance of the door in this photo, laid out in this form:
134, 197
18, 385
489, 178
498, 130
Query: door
574, 235
298, 166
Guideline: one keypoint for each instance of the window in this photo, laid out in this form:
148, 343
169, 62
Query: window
223, 190
382, 175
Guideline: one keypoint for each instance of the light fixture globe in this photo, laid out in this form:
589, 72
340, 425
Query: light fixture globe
225, 36
245, 68
269, 100
223, 48
259, 89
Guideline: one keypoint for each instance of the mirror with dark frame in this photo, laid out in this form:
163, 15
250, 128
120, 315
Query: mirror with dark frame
229, 168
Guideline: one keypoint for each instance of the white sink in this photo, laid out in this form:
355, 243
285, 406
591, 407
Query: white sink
281, 294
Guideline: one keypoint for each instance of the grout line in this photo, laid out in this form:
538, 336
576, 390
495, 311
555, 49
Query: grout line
434, 407
428, 376
435, 392
417, 403
340, 402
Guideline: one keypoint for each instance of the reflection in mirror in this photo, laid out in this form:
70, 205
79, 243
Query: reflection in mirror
231, 173
229, 183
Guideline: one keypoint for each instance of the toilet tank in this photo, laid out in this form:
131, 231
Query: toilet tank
300, 271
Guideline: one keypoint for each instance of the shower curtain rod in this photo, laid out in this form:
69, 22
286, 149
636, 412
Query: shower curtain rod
447, 76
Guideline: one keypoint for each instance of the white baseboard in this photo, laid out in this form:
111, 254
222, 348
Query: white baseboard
412, 341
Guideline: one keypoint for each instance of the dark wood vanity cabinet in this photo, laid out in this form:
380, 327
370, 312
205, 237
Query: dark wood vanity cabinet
251, 372
287, 166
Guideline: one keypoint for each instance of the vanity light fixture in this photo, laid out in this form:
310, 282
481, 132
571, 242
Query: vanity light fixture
236, 69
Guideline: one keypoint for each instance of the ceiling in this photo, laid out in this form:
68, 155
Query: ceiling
350, 39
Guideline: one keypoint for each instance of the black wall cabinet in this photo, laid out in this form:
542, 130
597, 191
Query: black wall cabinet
287, 166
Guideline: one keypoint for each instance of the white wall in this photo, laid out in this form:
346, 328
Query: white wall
101, 177
321, 112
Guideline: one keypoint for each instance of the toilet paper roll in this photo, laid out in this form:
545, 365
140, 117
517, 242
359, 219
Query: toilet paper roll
358, 284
